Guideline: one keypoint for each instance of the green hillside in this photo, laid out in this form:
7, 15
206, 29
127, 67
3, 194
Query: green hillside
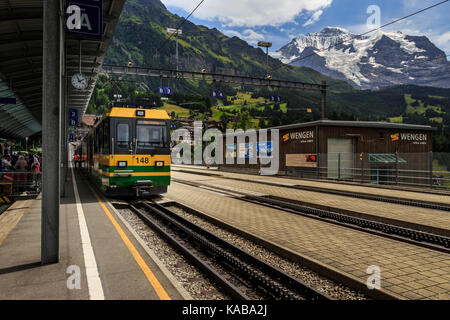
141, 38
141, 33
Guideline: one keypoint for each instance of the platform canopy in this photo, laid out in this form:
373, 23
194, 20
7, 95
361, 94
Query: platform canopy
21, 50
386, 158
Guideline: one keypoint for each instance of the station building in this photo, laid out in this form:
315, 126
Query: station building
372, 152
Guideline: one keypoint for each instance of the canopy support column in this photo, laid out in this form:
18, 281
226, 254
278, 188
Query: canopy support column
51, 106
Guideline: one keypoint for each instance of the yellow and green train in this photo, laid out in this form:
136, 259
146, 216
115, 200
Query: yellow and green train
127, 153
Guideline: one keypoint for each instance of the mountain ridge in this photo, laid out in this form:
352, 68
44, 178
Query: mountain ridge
380, 60
142, 30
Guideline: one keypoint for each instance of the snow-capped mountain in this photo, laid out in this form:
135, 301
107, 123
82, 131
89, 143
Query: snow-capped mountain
369, 62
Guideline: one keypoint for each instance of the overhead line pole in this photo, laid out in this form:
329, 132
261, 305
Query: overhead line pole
324, 100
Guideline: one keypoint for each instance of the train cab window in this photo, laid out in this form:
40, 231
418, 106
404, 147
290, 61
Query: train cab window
123, 135
151, 136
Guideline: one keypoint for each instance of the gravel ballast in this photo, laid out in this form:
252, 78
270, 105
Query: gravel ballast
192, 280
313, 279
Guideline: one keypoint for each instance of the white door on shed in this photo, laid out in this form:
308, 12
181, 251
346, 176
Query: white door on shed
340, 158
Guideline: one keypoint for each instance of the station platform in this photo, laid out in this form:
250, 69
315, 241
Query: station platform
428, 220
344, 254
434, 196
100, 255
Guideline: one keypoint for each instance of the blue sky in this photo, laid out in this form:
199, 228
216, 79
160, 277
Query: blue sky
278, 21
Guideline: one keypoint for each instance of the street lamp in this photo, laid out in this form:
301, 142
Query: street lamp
266, 45
176, 33
26, 143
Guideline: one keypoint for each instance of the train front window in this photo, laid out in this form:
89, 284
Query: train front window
123, 135
151, 136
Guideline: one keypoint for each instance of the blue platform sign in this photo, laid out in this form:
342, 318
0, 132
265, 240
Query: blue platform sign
7, 100
85, 18
219, 94
73, 117
274, 98
165, 90
71, 137
168, 90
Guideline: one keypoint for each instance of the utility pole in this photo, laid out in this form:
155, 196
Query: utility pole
176, 33
266, 45
323, 90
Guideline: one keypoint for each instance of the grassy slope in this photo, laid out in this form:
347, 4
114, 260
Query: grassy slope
420, 109
141, 33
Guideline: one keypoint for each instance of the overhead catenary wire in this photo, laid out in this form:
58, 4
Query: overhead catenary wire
180, 25
284, 65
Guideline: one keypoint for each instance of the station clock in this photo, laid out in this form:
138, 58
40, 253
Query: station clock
79, 81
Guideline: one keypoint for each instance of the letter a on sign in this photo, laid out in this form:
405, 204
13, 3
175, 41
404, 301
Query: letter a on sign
85, 18
74, 19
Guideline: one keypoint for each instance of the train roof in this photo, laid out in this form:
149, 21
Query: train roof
131, 113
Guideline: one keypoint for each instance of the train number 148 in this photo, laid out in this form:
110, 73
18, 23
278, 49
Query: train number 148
143, 160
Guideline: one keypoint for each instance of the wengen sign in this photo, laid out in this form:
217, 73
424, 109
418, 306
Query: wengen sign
302, 135
414, 137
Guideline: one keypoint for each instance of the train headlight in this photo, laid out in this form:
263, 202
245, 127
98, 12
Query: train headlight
160, 163
122, 164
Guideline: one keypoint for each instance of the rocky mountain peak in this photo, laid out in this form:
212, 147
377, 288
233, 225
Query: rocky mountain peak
369, 62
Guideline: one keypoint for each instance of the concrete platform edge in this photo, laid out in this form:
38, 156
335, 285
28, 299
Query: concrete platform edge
152, 255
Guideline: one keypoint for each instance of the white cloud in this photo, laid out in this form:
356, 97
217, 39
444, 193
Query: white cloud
443, 41
314, 18
233, 33
249, 35
250, 13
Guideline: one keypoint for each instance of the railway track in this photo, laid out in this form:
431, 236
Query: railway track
394, 200
428, 240
241, 275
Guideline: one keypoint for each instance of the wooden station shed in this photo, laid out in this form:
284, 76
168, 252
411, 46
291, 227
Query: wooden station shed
373, 152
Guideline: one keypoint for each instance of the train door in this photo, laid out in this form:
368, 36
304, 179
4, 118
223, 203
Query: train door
123, 138
90, 151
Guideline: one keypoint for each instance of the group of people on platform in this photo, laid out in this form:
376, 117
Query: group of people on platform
23, 171
20, 163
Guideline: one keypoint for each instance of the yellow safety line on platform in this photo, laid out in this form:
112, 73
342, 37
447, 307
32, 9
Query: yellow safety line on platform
162, 294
